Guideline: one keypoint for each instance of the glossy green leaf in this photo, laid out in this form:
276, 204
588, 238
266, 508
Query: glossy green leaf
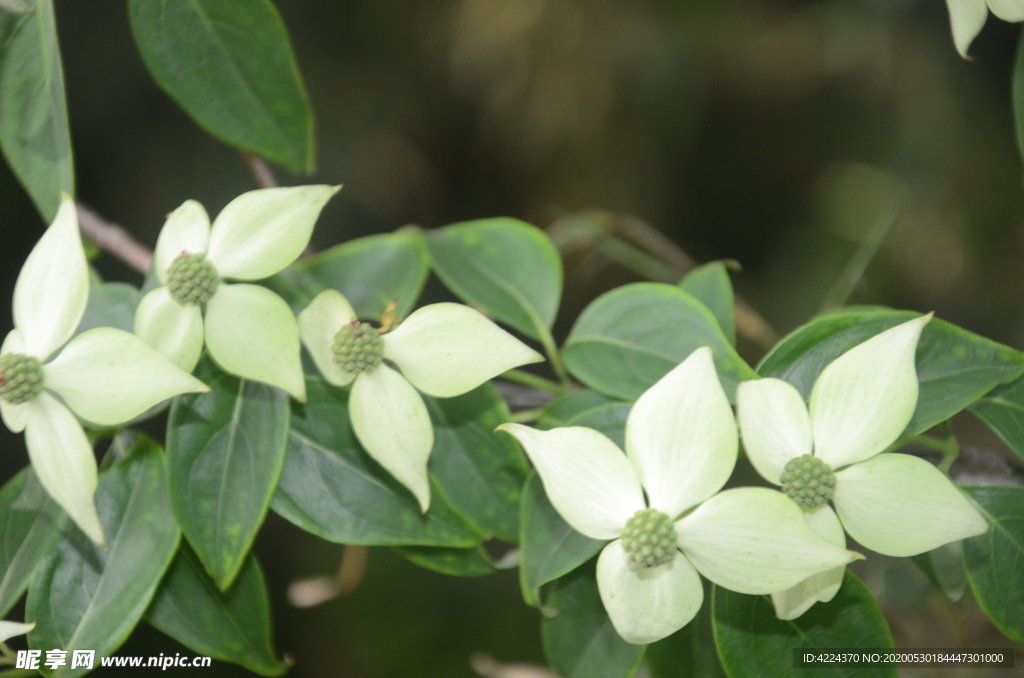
629, 338
710, 285
994, 560
687, 652
944, 568
232, 626
110, 305
560, 411
580, 641
30, 523
370, 272
473, 562
225, 450
34, 131
608, 419
1003, 410
955, 367
548, 547
752, 642
481, 471
503, 266
230, 66
86, 598
331, 488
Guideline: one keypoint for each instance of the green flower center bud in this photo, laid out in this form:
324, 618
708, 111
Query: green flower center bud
192, 279
649, 538
21, 378
358, 347
808, 481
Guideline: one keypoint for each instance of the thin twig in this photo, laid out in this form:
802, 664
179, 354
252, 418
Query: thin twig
113, 239
260, 170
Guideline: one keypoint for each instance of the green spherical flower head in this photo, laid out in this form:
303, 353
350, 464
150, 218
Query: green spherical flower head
21, 378
808, 481
649, 538
192, 279
358, 347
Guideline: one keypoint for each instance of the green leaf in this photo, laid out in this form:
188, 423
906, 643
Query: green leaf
232, 626
994, 559
331, 488
30, 523
954, 366
86, 598
1003, 411
34, 131
472, 562
752, 642
225, 450
608, 419
110, 305
370, 272
686, 653
548, 547
505, 267
480, 471
629, 338
580, 641
230, 66
710, 285
559, 412
944, 568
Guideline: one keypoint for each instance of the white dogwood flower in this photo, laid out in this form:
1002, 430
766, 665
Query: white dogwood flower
106, 376
9, 629
444, 350
968, 18
895, 504
681, 444
248, 330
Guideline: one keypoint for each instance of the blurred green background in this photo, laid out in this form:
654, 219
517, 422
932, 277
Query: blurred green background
770, 132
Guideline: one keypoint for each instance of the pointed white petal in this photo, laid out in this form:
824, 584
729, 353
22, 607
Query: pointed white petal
446, 350
53, 286
967, 18
9, 629
774, 425
864, 400
586, 476
63, 460
1008, 10
681, 436
900, 505
392, 423
261, 232
821, 587
647, 605
251, 333
14, 416
187, 230
173, 329
754, 540
107, 377
318, 324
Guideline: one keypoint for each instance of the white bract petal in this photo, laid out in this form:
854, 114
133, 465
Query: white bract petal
681, 436
774, 425
53, 286
646, 605
261, 232
967, 18
14, 416
756, 541
821, 587
1008, 10
391, 421
187, 230
586, 476
900, 505
318, 324
107, 377
446, 350
174, 330
864, 400
251, 333
64, 462
9, 629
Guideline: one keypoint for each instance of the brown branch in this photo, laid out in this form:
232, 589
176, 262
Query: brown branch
113, 239
260, 170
